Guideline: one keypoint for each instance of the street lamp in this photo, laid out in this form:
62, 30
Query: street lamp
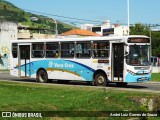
56, 30
150, 34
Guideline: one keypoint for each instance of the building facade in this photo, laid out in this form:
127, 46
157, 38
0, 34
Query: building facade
25, 32
8, 31
107, 29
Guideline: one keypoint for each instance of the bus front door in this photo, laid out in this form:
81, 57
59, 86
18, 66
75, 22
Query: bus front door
24, 61
117, 62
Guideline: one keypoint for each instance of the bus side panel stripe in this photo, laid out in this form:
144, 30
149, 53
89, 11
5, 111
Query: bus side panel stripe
69, 66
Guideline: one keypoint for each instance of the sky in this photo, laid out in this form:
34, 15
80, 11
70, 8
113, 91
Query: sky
141, 11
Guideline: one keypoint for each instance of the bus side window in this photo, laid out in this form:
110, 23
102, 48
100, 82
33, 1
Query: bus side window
67, 49
38, 50
52, 50
83, 49
78, 50
100, 49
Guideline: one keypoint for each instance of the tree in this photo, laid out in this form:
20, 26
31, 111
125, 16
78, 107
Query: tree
155, 43
140, 29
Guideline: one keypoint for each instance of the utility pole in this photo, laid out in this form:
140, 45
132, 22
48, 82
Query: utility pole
150, 34
128, 15
56, 30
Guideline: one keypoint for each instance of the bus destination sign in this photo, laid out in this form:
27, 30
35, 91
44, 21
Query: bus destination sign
138, 40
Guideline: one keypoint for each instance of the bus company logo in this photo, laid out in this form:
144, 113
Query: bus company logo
50, 64
21, 115
6, 114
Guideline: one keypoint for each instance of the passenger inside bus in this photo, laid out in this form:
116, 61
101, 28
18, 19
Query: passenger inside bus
95, 54
56, 54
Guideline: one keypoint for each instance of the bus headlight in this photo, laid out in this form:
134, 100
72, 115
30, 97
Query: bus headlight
129, 71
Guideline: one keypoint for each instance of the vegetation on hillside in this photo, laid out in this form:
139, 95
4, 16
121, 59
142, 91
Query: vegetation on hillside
140, 29
9, 12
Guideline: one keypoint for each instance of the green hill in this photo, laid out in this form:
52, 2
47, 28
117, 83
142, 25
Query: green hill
10, 12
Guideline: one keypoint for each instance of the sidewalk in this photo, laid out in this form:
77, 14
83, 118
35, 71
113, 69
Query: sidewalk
4, 71
153, 82
148, 82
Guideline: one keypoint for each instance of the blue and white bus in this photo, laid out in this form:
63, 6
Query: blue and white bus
100, 60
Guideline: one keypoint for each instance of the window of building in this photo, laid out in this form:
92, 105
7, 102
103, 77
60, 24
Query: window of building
37, 50
52, 50
96, 29
67, 49
108, 31
83, 49
100, 49
14, 50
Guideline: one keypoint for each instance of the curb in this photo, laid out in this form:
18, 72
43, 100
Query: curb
153, 82
4, 71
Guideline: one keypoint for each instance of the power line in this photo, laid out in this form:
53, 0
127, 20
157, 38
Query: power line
94, 21
74, 21
79, 20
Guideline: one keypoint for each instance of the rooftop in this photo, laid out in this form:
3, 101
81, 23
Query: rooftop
80, 32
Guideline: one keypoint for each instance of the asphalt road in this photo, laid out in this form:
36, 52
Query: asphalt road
145, 87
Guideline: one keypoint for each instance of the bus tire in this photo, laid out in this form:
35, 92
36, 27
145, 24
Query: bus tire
100, 80
42, 76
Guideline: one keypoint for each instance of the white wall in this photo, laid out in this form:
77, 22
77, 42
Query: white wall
8, 31
156, 69
121, 30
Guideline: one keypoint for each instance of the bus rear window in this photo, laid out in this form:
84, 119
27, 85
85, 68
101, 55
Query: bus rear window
14, 50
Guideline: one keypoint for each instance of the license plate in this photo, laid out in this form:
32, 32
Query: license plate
143, 78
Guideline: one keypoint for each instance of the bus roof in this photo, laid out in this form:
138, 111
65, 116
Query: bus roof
110, 38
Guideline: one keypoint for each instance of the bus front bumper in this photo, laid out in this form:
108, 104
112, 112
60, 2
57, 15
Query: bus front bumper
137, 78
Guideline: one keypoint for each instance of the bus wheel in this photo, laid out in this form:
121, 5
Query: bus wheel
100, 80
42, 76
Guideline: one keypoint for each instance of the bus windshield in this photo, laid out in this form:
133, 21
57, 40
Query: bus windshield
139, 55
